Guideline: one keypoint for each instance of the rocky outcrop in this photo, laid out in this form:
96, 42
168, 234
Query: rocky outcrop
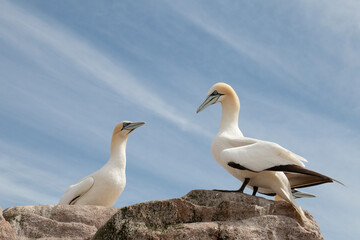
6, 231
203, 214
57, 221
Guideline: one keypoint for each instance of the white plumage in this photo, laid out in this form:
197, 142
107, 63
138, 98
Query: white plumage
263, 166
249, 149
104, 186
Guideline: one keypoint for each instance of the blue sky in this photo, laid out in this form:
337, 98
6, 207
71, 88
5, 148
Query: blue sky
71, 70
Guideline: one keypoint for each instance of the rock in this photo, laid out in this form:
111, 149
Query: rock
203, 214
6, 231
57, 221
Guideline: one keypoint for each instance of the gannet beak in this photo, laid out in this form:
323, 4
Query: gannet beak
211, 99
133, 126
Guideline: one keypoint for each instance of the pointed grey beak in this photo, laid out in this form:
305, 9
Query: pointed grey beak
211, 99
133, 126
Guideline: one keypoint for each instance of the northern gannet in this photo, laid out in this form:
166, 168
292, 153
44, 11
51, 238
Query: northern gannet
104, 186
265, 167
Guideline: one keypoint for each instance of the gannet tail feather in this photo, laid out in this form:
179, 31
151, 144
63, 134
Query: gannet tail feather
299, 194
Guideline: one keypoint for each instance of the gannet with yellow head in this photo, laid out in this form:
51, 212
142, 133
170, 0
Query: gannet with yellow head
104, 186
263, 166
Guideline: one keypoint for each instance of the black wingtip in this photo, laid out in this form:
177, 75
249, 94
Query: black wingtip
294, 169
298, 169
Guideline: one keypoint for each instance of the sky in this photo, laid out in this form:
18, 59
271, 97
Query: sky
71, 70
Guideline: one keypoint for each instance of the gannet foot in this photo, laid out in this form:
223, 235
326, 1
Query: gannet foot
255, 189
246, 181
240, 190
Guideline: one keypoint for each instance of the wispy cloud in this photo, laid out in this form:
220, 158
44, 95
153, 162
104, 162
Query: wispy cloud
26, 177
21, 193
293, 66
28, 32
61, 89
242, 44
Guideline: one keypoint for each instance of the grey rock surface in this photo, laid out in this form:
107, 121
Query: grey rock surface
57, 221
203, 214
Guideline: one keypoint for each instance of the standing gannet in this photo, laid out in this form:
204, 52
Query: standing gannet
265, 167
104, 186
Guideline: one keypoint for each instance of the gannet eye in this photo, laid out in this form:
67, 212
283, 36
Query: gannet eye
125, 124
214, 93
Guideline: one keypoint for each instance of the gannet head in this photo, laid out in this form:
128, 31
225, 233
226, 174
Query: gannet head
217, 93
124, 128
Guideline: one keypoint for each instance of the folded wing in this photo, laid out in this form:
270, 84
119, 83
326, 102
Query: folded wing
76, 191
258, 156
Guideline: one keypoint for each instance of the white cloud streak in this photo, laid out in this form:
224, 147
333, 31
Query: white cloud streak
241, 44
294, 68
18, 26
22, 172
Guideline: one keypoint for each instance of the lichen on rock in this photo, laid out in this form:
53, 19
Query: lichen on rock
203, 214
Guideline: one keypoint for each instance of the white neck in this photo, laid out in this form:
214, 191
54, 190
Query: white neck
230, 114
118, 152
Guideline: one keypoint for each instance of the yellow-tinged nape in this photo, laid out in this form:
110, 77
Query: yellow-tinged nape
121, 134
223, 93
118, 139
230, 106
119, 127
124, 128
222, 88
229, 95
